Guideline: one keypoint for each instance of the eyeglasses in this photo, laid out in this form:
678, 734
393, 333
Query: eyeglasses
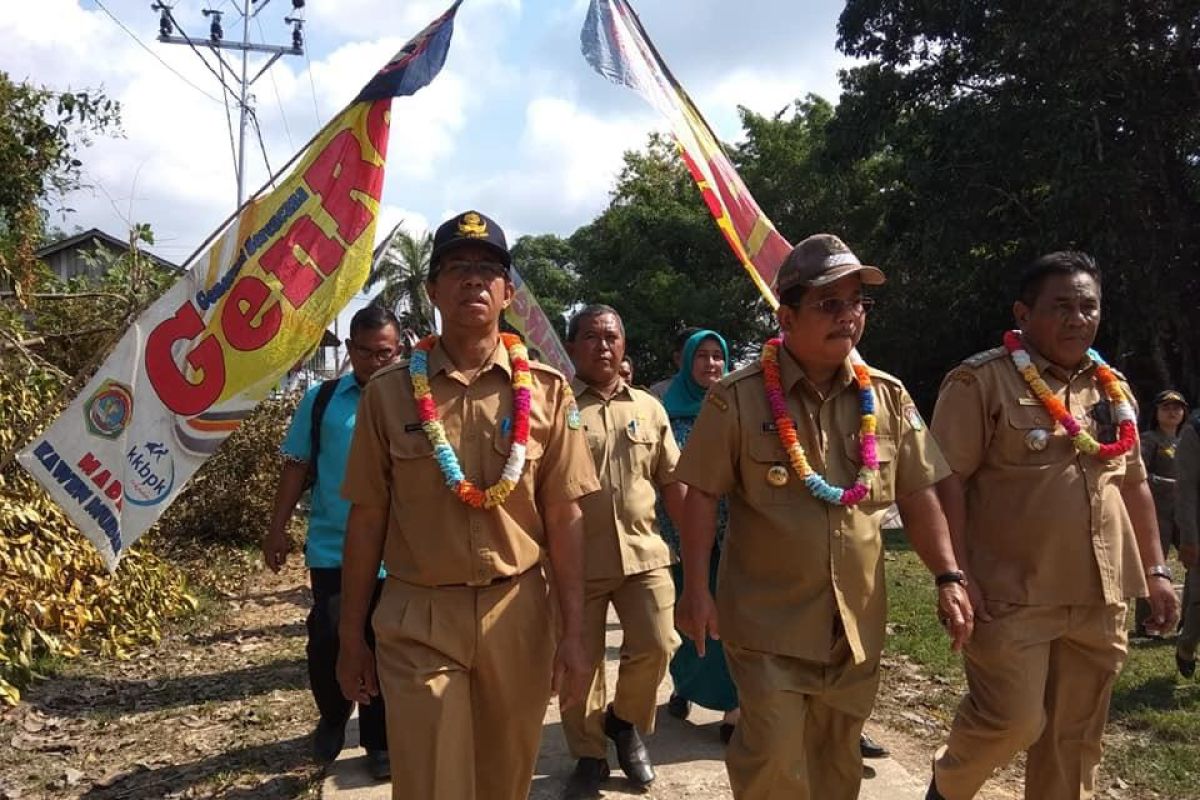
489, 270
833, 306
383, 354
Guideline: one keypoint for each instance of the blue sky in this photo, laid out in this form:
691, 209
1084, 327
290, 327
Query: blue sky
517, 124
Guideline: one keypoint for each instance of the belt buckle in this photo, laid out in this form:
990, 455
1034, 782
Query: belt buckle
480, 584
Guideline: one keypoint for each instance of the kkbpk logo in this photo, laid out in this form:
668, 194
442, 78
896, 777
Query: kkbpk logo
153, 474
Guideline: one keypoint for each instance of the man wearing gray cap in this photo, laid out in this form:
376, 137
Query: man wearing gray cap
811, 447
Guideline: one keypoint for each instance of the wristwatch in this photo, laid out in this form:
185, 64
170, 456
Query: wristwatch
953, 576
1159, 571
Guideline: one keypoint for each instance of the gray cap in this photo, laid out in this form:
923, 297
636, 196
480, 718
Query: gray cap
820, 259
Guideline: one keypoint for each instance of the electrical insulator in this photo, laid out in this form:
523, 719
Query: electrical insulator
215, 31
297, 38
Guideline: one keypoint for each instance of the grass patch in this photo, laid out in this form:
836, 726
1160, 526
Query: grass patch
1153, 736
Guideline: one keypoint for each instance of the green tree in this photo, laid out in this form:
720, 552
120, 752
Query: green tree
1009, 129
41, 134
656, 255
403, 269
547, 264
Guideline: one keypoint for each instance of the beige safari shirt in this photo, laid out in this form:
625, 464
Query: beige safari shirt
796, 571
433, 538
1044, 526
634, 452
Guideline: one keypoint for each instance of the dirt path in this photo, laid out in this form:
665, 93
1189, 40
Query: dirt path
219, 711
222, 710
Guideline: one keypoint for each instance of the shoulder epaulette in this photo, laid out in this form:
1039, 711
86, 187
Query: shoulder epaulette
751, 369
979, 359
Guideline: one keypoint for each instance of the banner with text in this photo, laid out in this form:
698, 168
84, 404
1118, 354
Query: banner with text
195, 363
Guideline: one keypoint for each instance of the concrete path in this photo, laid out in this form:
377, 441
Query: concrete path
688, 757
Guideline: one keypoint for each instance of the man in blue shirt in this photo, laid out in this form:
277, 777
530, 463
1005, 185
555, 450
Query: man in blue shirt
374, 343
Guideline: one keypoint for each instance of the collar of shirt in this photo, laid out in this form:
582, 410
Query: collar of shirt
439, 361
347, 383
580, 388
791, 373
1044, 365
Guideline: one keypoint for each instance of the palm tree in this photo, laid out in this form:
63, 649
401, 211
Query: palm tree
402, 266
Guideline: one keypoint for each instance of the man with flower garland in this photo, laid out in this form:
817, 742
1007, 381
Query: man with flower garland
1054, 522
627, 562
801, 596
465, 471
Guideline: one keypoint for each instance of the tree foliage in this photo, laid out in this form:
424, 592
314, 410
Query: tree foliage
41, 134
403, 269
547, 263
655, 255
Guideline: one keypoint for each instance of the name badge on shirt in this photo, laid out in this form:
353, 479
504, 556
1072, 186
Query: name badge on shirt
412, 427
769, 427
1028, 401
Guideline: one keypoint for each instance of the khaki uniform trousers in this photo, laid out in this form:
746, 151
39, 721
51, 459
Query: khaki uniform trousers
645, 604
1039, 678
797, 737
1189, 635
466, 675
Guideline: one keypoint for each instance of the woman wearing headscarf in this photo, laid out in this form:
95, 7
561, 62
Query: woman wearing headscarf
704, 681
1159, 443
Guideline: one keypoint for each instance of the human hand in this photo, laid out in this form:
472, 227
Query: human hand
955, 613
1164, 606
696, 616
572, 675
356, 670
275, 549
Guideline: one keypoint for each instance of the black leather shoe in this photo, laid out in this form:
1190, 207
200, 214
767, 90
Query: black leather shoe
632, 754
871, 748
678, 707
933, 793
586, 779
379, 766
328, 741
1186, 668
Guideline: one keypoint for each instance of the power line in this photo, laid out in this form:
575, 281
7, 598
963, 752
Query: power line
188, 40
157, 57
274, 85
228, 116
262, 146
312, 85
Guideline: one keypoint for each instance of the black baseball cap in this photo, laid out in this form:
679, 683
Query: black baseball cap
1170, 396
820, 259
469, 227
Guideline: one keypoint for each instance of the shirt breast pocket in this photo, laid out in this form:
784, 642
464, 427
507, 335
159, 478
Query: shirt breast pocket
640, 442
883, 483
1027, 436
415, 472
766, 453
501, 449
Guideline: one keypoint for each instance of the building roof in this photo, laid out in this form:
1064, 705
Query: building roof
80, 240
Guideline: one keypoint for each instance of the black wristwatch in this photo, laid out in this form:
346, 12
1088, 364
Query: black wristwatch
953, 576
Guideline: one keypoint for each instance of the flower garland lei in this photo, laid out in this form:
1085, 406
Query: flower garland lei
1083, 441
817, 485
522, 385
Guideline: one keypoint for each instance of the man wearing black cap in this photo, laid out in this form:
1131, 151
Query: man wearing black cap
810, 460
464, 474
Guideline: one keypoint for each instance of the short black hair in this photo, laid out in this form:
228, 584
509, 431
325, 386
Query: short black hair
372, 318
1063, 262
588, 312
681, 338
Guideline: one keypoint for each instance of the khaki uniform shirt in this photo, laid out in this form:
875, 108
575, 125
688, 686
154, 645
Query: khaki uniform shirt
1049, 526
433, 538
1188, 471
795, 570
634, 451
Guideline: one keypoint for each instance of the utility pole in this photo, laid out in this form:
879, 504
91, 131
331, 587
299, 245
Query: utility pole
168, 27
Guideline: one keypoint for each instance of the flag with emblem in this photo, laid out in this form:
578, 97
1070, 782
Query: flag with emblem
618, 47
251, 305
